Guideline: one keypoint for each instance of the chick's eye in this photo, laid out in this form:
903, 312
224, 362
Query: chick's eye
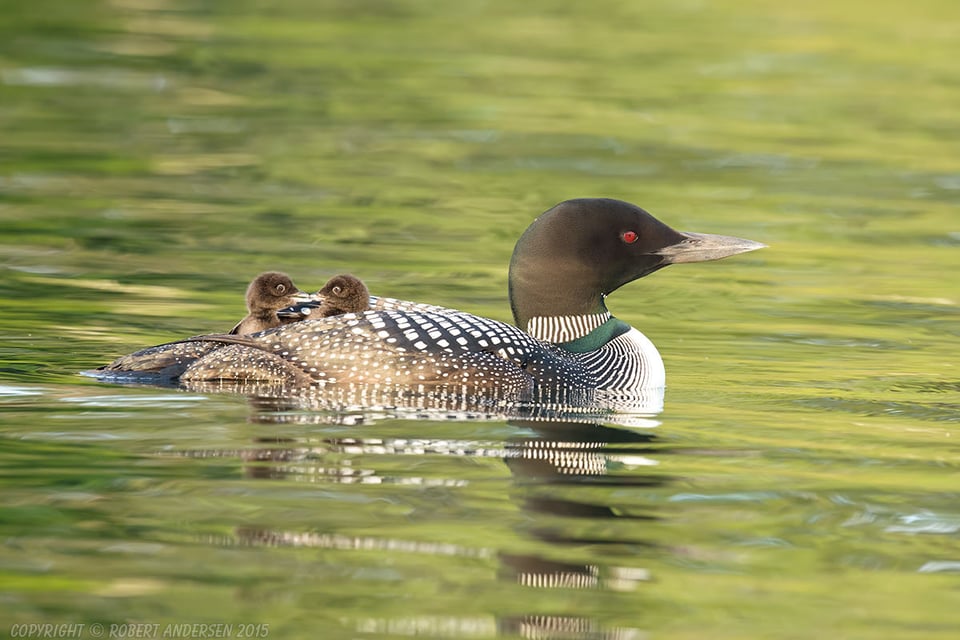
337, 290
280, 288
629, 236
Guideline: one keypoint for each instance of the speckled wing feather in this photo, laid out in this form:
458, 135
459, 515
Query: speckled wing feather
377, 303
400, 348
169, 360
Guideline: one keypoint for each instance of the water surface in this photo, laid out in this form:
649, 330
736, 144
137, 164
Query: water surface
801, 480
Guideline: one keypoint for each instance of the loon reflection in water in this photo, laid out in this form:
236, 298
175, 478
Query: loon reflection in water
541, 457
566, 345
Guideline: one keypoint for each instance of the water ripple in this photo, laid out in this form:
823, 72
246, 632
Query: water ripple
179, 401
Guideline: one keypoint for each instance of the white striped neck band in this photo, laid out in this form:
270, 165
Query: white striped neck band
559, 329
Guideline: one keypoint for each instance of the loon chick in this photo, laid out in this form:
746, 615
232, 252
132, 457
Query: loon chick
343, 294
268, 293
563, 267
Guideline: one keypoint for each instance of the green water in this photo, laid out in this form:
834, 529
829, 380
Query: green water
802, 480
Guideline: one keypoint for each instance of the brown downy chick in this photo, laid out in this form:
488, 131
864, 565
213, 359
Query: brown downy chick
268, 293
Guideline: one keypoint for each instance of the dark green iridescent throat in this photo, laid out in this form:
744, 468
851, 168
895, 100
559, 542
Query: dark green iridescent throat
598, 337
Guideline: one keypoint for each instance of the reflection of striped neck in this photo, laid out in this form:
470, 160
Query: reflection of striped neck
558, 329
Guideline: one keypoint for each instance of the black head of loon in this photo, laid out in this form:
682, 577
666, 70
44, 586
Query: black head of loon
268, 293
343, 294
579, 251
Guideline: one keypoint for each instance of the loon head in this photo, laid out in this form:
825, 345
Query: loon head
271, 291
581, 250
344, 294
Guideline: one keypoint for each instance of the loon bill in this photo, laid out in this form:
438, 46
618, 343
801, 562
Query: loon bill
565, 339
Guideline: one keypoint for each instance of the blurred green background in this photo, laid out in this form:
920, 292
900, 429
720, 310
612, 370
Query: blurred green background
155, 155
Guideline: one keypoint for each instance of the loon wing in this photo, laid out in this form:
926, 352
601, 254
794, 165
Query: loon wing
377, 303
377, 347
168, 360
410, 349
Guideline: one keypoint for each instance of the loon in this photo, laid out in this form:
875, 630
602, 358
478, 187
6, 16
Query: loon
563, 267
342, 294
268, 293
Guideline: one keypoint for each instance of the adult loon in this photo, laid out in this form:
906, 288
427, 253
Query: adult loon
268, 293
562, 268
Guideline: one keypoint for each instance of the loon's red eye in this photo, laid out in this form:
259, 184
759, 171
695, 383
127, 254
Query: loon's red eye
629, 236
